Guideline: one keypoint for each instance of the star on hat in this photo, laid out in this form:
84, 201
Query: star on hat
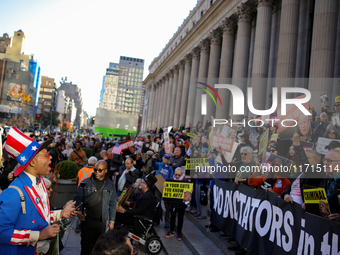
34, 148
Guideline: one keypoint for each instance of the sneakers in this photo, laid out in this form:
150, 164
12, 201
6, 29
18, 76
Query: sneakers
224, 236
201, 217
169, 234
197, 214
179, 236
193, 212
188, 209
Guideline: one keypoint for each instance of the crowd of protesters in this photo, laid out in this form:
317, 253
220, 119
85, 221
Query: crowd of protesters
149, 155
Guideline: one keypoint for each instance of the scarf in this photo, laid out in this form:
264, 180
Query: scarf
122, 179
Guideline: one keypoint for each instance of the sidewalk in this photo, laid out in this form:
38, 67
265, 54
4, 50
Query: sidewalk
71, 241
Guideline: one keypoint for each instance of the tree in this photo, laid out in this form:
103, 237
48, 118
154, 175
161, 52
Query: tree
45, 119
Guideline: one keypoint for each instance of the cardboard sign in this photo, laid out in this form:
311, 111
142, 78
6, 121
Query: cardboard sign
316, 201
322, 143
126, 145
160, 182
336, 120
155, 147
192, 163
228, 155
176, 190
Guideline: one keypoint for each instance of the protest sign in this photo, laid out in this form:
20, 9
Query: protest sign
155, 147
126, 145
316, 201
307, 145
223, 138
174, 191
263, 146
336, 120
192, 163
116, 149
263, 223
166, 142
228, 155
322, 143
324, 98
192, 135
274, 137
287, 130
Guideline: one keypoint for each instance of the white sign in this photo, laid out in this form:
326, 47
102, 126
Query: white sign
322, 143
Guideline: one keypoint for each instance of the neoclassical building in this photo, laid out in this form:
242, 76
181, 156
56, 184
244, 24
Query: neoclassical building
228, 41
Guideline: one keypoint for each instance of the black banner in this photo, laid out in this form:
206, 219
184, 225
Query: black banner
264, 224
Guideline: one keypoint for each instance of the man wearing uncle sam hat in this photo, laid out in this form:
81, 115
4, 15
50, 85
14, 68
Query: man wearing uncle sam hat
25, 216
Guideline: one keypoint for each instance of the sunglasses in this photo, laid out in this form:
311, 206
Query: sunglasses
332, 133
245, 154
98, 170
272, 150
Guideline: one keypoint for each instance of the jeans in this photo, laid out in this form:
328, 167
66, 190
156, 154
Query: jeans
198, 197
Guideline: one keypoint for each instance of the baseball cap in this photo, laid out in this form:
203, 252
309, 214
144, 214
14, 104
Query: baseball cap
166, 156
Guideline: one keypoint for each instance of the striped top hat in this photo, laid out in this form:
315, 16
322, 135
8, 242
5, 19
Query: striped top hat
22, 148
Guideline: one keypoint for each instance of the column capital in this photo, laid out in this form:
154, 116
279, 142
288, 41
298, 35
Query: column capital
188, 59
215, 36
153, 87
196, 53
167, 75
229, 26
176, 69
204, 45
171, 71
181, 63
260, 3
245, 12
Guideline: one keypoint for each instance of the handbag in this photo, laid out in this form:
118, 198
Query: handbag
95, 197
203, 195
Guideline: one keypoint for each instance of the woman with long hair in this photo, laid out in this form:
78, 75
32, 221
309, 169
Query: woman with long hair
332, 132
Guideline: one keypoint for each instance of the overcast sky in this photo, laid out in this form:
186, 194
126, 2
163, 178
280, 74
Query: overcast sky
78, 39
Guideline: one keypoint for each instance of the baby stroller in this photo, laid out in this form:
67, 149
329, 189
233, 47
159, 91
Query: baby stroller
148, 237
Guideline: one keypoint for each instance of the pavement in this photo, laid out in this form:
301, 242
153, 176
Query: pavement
71, 241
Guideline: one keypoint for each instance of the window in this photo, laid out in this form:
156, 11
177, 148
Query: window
47, 103
47, 96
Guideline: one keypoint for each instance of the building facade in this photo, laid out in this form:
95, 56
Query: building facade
47, 91
74, 93
246, 43
122, 89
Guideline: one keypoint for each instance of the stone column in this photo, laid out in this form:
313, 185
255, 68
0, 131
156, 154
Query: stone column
173, 96
178, 94
261, 53
169, 98
286, 62
165, 98
202, 77
323, 49
213, 71
336, 84
151, 104
192, 87
226, 66
274, 38
156, 115
241, 57
161, 103
185, 90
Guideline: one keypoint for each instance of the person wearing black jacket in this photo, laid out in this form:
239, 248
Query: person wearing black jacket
144, 206
138, 163
128, 176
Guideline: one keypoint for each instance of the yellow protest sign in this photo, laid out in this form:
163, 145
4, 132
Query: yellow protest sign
192, 163
176, 189
314, 196
192, 135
